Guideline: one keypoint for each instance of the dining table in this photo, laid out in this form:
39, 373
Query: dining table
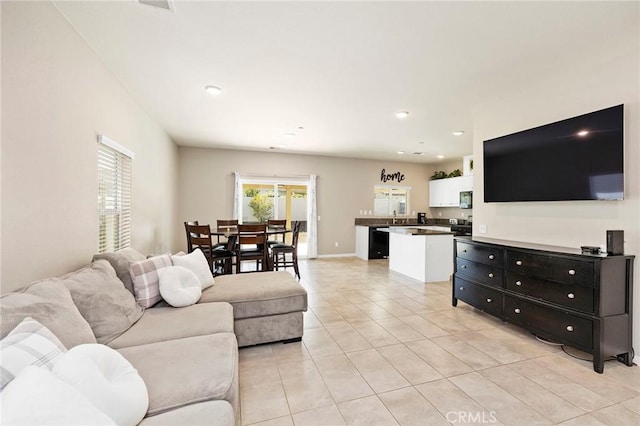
231, 235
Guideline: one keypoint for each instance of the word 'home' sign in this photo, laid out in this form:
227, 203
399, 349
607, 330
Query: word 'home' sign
397, 176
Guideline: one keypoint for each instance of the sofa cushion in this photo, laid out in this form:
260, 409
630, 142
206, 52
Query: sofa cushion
37, 397
196, 262
160, 324
102, 300
218, 413
187, 371
259, 294
146, 283
121, 260
30, 343
179, 286
108, 381
48, 302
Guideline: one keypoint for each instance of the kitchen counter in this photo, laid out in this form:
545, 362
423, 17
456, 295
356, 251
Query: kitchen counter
422, 254
417, 231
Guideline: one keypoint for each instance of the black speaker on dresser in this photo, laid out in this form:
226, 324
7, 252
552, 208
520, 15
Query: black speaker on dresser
615, 242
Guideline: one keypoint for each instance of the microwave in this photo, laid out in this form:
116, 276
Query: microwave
466, 199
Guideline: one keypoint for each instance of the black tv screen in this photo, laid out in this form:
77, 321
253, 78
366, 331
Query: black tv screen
580, 158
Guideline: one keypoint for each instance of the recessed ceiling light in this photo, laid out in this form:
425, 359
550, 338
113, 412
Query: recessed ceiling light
418, 153
457, 133
583, 133
400, 152
440, 156
402, 114
213, 90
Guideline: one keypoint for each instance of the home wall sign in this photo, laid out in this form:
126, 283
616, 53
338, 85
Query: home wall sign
390, 177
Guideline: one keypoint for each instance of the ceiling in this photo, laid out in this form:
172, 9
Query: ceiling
339, 70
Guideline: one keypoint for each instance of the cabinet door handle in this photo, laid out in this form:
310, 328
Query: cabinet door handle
572, 272
519, 262
516, 310
491, 257
490, 274
464, 251
461, 288
518, 283
569, 328
464, 266
571, 296
489, 300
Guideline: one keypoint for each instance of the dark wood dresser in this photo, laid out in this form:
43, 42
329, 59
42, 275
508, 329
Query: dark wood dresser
583, 301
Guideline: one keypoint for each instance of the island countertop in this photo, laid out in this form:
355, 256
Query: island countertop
415, 231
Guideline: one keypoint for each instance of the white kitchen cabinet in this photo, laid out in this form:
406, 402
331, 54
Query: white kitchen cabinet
445, 192
467, 183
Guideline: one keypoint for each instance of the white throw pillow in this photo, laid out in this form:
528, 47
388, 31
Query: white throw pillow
197, 263
179, 286
108, 381
37, 397
30, 343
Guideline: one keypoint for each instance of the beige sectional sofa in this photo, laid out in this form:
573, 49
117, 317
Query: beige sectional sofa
187, 357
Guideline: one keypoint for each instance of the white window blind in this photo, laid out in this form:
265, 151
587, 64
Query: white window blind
114, 196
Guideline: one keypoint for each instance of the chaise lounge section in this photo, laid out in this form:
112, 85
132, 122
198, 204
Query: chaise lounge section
195, 346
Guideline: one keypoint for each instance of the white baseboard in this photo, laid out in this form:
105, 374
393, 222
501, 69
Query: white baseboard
324, 256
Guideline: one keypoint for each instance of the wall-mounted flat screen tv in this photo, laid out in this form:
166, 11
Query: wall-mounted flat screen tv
580, 158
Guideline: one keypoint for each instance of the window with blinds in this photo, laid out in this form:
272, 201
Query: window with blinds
114, 196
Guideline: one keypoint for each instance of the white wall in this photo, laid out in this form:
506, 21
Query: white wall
345, 186
599, 82
56, 97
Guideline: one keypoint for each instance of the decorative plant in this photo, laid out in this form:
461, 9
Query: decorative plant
262, 207
251, 192
455, 173
438, 175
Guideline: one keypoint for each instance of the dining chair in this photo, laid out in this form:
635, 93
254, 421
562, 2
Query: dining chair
275, 224
251, 245
279, 252
229, 226
189, 244
219, 258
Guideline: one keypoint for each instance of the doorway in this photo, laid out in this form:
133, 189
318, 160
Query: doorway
263, 200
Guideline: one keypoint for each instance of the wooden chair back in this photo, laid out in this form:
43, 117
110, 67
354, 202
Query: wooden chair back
274, 224
251, 234
189, 245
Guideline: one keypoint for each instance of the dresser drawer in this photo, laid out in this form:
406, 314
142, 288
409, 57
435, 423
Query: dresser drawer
480, 254
551, 268
483, 298
557, 324
485, 274
569, 295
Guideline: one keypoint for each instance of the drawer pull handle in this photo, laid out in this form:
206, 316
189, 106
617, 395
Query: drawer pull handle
571, 296
464, 251
464, 266
489, 300
461, 288
516, 310
519, 262
572, 272
490, 274
518, 283
491, 257
569, 328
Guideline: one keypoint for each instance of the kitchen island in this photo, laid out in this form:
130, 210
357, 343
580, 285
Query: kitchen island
421, 253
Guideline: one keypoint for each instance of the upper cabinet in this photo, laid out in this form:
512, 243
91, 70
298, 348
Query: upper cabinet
446, 192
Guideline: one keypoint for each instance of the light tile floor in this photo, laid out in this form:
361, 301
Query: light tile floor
382, 349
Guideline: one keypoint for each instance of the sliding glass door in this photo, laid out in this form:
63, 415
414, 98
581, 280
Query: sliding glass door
263, 200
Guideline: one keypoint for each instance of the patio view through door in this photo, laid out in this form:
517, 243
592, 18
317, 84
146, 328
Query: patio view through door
277, 200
